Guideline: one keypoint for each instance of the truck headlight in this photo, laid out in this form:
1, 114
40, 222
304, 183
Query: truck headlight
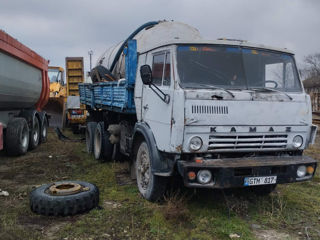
204, 176
301, 171
195, 143
297, 141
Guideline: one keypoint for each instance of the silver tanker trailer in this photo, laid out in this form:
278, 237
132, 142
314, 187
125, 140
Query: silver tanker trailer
24, 91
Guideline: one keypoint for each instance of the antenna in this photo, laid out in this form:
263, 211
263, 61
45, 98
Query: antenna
90, 54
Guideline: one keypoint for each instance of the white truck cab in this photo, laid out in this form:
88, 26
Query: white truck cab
221, 114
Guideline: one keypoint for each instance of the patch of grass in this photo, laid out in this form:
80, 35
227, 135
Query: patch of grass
124, 214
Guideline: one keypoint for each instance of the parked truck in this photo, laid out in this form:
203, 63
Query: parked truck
56, 106
76, 114
220, 113
24, 91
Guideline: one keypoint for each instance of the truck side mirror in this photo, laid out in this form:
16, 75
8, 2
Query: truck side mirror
146, 74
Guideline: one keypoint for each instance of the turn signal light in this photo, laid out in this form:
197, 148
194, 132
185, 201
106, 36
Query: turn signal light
192, 176
198, 160
310, 170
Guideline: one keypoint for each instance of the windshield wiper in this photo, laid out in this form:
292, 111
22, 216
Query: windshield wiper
271, 90
217, 88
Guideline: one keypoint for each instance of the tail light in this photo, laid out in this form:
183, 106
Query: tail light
77, 112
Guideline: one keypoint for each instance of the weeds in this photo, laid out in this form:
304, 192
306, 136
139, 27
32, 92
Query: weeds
175, 207
185, 214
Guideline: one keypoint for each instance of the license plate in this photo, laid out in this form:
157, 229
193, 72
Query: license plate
252, 181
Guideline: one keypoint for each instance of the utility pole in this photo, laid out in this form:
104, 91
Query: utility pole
90, 54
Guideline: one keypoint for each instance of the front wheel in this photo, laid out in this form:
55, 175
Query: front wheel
151, 187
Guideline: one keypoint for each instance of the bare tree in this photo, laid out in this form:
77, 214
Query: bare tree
312, 66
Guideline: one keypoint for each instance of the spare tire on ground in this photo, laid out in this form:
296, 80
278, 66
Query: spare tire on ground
64, 198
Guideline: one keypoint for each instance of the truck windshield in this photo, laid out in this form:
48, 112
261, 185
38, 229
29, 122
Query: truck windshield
234, 67
54, 75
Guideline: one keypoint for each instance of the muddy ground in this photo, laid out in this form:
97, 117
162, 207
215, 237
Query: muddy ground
291, 212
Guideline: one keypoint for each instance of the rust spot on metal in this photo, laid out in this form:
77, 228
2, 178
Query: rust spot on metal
67, 188
179, 148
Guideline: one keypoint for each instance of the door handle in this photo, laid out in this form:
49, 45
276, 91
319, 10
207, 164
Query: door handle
146, 107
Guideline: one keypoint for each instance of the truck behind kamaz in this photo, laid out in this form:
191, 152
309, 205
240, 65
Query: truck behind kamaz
24, 91
219, 113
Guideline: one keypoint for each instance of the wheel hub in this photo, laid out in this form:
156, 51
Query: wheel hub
144, 170
63, 189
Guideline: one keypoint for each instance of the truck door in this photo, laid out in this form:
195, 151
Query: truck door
155, 112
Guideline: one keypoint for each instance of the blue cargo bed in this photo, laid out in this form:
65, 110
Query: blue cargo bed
117, 95
108, 95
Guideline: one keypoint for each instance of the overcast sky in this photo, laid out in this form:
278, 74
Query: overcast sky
59, 28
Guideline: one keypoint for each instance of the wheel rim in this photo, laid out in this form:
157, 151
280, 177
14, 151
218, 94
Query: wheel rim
24, 140
65, 189
35, 130
143, 168
97, 145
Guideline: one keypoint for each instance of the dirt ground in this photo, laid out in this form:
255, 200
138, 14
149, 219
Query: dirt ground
291, 212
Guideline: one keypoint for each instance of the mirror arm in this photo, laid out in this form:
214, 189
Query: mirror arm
164, 97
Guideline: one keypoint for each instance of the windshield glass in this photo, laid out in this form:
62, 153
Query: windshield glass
234, 67
54, 75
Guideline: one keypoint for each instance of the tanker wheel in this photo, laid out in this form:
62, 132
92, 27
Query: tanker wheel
64, 198
90, 130
34, 133
151, 187
44, 130
102, 147
17, 137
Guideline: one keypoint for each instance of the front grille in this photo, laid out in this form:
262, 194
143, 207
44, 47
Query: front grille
219, 142
207, 109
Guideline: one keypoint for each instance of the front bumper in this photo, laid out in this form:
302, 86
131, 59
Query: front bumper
231, 172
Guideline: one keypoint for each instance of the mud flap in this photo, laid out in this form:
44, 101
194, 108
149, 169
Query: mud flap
161, 165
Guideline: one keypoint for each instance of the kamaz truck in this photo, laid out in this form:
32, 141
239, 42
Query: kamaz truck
220, 113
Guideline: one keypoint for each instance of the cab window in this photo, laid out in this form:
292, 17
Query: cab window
161, 69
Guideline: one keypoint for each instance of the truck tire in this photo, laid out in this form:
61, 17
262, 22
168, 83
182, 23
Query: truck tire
103, 149
64, 198
34, 137
44, 130
17, 137
150, 186
90, 130
108, 147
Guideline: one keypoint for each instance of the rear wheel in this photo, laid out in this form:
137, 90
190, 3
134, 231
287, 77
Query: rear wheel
102, 147
151, 187
34, 133
17, 137
90, 130
44, 130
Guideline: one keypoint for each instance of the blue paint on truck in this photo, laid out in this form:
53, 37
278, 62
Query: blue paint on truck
117, 96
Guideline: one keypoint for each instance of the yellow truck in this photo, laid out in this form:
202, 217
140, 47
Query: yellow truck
58, 95
76, 113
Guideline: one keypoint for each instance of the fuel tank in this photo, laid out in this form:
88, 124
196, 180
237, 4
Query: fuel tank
24, 79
